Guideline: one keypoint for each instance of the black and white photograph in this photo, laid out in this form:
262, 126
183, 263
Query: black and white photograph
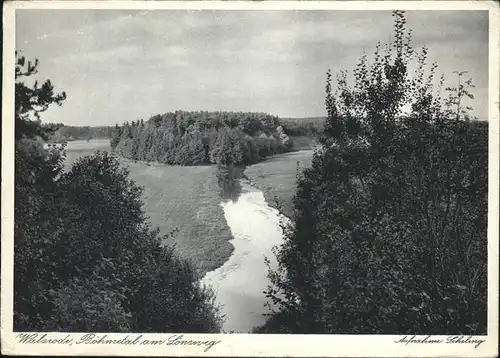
201, 173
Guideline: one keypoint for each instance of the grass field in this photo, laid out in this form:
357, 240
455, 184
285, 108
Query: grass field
276, 177
175, 197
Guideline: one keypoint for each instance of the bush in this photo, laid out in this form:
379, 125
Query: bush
105, 269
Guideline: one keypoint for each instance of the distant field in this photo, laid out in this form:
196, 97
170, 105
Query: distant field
276, 177
186, 198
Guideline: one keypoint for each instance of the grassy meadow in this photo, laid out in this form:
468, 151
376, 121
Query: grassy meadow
276, 177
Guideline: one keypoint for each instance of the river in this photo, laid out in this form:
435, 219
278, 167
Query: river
240, 282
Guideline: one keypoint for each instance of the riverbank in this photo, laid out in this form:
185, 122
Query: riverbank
177, 197
276, 177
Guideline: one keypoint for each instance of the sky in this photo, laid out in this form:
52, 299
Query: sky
121, 65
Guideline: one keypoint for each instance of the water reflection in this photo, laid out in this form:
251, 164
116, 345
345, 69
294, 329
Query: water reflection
228, 177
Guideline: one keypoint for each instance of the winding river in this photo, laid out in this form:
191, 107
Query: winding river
255, 227
240, 282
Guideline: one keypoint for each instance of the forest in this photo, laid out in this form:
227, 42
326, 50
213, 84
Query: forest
198, 138
389, 230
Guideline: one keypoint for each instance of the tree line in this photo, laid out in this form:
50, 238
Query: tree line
197, 138
86, 258
68, 133
389, 231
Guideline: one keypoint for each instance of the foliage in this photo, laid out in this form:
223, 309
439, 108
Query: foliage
30, 101
197, 138
389, 231
86, 258
228, 179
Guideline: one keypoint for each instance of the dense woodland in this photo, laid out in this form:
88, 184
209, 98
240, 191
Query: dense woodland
389, 231
197, 138
85, 256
